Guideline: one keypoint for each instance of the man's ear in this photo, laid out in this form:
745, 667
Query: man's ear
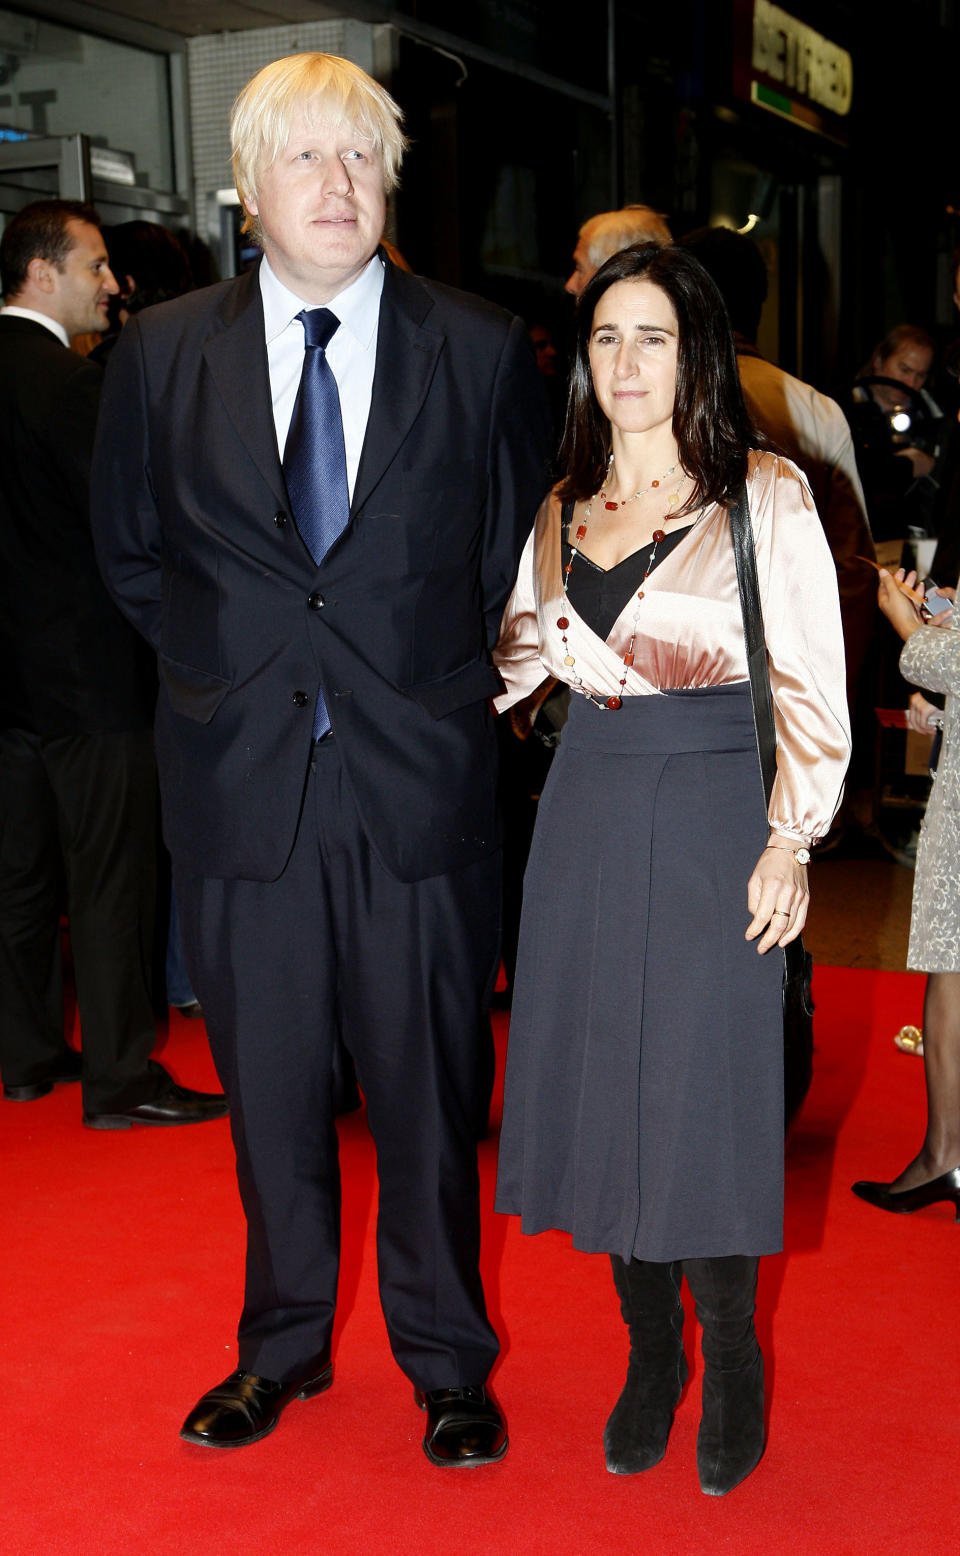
42, 274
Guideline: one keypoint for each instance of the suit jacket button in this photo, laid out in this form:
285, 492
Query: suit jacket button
301, 699
280, 518
316, 602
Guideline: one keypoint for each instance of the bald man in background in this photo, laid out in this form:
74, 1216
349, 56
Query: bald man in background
607, 233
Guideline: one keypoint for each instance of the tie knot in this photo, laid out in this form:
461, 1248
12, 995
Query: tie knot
319, 326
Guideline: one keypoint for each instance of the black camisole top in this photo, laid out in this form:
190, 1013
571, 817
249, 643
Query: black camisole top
599, 594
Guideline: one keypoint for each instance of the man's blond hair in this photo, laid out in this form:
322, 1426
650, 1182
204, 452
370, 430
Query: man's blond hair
318, 86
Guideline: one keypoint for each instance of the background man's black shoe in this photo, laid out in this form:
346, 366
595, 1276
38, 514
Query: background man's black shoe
68, 1068
173, 1105
464, 1427
193, 1010
245, 1407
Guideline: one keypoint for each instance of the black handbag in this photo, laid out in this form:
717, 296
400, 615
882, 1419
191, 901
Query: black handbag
797, 961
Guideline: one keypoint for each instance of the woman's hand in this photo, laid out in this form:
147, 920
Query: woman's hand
778, 896
523, 713
921, 714
899, 598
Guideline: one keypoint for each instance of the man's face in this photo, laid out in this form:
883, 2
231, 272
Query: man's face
909, 364
583, 270
545, 349
83, 284
322, 207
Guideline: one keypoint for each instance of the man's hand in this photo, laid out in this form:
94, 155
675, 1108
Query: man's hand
921, 463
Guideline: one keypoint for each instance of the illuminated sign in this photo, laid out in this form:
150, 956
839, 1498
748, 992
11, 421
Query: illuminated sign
785, 66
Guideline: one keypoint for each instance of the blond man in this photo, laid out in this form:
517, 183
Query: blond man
312, 507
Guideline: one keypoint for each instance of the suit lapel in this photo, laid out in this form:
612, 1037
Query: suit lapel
407, 354
237, 358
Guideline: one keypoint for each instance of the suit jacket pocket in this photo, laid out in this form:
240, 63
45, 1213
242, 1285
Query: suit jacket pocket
195, 694
474, 682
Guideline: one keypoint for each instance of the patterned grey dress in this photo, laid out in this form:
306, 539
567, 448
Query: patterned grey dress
931, 660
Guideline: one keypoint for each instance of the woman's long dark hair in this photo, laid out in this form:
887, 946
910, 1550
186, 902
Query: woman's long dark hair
710, 421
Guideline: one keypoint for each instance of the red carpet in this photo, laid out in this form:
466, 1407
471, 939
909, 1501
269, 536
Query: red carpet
122, 1269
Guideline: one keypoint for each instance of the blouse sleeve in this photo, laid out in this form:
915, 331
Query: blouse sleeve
517, 655
801, 614
931, 658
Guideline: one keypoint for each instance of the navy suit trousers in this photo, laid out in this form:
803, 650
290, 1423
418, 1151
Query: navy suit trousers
403, 973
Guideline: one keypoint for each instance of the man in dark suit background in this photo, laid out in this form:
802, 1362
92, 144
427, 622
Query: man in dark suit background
326, 749
77, 775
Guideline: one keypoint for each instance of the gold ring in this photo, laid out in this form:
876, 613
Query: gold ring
780, 912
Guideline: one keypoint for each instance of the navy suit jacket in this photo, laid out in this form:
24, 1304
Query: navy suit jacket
199, 548
69, 663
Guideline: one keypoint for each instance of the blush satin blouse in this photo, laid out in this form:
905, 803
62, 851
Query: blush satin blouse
689, 634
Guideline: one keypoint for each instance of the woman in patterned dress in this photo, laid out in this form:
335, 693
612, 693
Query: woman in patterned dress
931, 659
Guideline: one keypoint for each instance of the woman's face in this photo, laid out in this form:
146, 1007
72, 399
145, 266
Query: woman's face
633, 355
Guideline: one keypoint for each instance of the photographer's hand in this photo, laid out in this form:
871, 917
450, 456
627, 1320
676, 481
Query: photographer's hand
922, 463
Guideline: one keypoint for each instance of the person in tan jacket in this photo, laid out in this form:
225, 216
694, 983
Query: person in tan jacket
807, 426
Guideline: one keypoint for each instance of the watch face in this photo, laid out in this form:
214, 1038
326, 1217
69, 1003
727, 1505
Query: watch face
802, 856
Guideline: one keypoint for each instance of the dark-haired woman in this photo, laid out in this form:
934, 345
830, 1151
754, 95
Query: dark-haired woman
644, 1101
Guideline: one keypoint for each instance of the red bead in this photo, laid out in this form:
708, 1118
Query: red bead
612, 505
654, 483
581, 531
628, 660
657, 536
640, 591
562, 623
613, 703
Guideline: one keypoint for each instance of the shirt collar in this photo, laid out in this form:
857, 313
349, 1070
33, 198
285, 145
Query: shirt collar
357, 306
55, 328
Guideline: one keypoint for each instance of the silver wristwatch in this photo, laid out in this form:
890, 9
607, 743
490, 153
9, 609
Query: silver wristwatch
802, 855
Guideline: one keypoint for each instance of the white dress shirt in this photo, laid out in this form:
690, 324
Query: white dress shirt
13, 312
352, 353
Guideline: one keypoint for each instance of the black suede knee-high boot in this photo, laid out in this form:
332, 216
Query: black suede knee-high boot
731, 1440
636, 1434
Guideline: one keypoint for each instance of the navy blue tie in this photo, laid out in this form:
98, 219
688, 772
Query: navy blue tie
314, 461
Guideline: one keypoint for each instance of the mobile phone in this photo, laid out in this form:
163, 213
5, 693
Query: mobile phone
933, 599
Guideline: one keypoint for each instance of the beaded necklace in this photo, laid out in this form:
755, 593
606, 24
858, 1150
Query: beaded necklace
611, 703
640, 492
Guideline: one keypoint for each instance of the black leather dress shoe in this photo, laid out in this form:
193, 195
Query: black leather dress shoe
174, 1105
68, 1069
464, 1427
244, 1407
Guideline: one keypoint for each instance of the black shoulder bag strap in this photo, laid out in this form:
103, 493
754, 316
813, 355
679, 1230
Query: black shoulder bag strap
746, 559
798, 1003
